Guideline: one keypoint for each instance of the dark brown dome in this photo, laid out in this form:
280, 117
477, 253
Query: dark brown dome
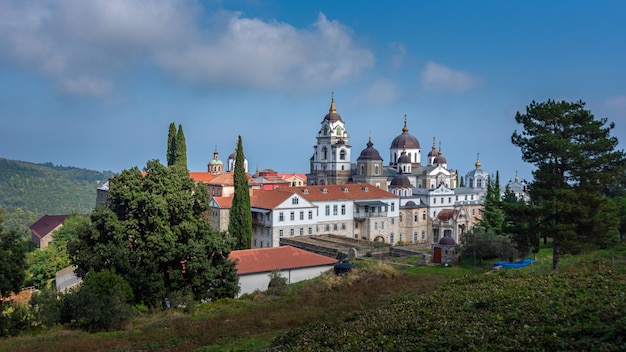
440, 159
370, 153
400, 180
405, 140
404, 159
333, 117
447, 241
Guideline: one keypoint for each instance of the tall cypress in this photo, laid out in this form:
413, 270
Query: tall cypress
181, 149
240, 225
170, 156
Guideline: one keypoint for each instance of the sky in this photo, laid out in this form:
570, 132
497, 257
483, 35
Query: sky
95, 84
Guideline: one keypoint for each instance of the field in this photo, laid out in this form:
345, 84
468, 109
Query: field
391, 307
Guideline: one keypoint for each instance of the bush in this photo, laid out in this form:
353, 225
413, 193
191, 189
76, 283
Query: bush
47, 307
102, 302
278, 283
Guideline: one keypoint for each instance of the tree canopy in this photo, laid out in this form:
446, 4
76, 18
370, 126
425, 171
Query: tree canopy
155, 235
240, 224
575, 159
12, 259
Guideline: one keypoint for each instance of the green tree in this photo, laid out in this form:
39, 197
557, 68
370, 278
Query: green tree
170, 156
155, 235
493, 214
240, 224
575, 158
181, 149
12, 259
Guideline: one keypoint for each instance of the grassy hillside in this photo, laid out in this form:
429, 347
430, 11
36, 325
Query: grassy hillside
29, 190
380, 308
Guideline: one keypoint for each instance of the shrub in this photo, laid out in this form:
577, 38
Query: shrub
100, 303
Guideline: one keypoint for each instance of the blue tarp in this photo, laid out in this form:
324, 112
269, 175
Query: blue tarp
514, 265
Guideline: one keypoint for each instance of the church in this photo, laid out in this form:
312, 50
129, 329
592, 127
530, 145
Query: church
432, 203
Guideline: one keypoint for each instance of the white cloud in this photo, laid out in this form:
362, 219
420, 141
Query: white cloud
382, 93
77, 43
398, 53
436, 77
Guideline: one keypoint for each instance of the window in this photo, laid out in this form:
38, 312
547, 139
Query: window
291, 232
391, 238
424, 216
280, 233
310, 230
342, 153
362, 169
335, 209
415, 217
376, 169
473, 211
382, 225
327, 227
343, 209
423, 234
292, 216
441, 200
400, 216
434, 200
335, 227
301, 215
343, 225
281, 216
294, 201
393, 221
393, 206
356, 225
449, 199
327, 209
310, 214
466, 197
414, 236
375, 225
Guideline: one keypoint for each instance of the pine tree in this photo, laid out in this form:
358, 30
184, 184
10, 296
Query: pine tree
493, 215
12, 260
575, 157
240, 225
181, 149
170, 156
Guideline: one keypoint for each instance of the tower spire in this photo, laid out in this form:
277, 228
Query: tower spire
332, 103
405, 129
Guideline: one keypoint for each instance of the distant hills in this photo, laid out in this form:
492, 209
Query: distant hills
28, 190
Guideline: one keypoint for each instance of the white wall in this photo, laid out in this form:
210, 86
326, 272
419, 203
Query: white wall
259, 281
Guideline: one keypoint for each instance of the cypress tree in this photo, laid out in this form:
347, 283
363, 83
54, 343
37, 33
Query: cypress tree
170, 156
180, 149
240, 225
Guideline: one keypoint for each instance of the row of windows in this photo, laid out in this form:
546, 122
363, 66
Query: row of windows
292, 215
309, 231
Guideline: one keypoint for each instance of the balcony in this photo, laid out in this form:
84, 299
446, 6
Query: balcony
262, 223
361, 215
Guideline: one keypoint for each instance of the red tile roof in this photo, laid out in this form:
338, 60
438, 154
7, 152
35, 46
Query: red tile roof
269, 199
227, 179
445, 214
224, 202
199, 176
267, 259
47, 223
342, 192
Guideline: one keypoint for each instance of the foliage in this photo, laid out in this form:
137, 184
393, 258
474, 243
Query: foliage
176, 147
15, 318
12, 259
278, 283
240, 224
100, 303
575, 160
480, 243
519, 224
493, 214
155, 235
28, 191
573, 311
170, 155
47, 307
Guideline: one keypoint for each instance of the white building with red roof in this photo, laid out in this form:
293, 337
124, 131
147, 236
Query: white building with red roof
254, 266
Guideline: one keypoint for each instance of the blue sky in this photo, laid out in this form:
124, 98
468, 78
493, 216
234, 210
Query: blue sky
95, 84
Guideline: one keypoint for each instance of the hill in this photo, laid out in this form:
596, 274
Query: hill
28, 190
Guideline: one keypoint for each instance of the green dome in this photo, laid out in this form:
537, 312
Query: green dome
215, 162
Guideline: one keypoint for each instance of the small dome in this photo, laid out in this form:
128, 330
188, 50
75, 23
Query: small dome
404, 158
410, 204
370, 153
215, 162
433, 151
405, 140
440, 159
232, 156
401, 180
332, 115
447, 241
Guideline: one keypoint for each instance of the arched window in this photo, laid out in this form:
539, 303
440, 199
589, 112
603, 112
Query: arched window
324, 153
362, 169
338, 131
376, 169
342, 154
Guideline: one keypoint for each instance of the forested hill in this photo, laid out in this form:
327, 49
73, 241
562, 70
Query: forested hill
28, 190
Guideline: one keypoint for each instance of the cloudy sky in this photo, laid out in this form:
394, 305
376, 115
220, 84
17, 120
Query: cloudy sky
95, 84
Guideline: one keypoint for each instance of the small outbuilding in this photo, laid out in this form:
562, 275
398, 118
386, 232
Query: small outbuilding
254, 266
446, 251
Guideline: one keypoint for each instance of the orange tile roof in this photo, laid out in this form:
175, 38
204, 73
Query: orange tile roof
200, 176
227, 179
338, 192
267, 259
224, 202
269, 199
